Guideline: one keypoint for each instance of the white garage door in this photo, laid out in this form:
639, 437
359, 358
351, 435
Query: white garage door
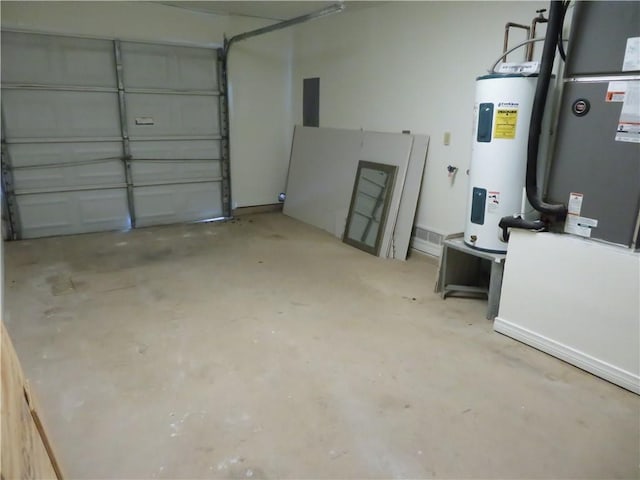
102, 135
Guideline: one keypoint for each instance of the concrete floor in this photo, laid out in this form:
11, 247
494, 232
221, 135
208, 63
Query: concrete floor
266, 348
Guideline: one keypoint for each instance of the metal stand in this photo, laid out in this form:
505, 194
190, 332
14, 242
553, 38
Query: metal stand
461, 273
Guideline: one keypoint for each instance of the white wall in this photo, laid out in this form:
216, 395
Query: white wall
409, 66
260, 114
577, 299
259, 74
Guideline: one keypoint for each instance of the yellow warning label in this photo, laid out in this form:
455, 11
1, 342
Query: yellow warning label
506, 124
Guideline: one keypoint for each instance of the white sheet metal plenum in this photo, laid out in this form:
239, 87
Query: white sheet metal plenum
100, 134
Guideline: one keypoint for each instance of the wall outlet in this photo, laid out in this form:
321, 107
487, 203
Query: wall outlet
447, 138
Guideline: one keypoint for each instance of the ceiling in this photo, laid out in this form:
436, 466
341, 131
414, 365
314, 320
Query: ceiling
272, 10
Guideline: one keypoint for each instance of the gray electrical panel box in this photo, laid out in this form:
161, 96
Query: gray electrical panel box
593, 155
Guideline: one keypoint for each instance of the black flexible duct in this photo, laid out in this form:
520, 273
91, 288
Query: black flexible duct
519, 222
554, 27
553, 39
561, 51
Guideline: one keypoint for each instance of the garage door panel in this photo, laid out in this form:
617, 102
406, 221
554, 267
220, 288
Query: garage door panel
60, 165
172, 115
44, 215
46, 59
204, 152
203, 149
179, 68
174, 171
35, 154
66, 145
167, 204
49, 114
71, 177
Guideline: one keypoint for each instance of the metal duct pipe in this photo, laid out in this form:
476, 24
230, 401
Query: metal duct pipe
518, 222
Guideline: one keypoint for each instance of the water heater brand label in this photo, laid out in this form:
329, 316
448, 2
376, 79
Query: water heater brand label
505, 126
526, 68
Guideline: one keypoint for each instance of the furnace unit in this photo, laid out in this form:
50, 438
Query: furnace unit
596, 163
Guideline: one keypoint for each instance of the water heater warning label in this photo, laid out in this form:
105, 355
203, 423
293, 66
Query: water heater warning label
493, 202
505, 126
